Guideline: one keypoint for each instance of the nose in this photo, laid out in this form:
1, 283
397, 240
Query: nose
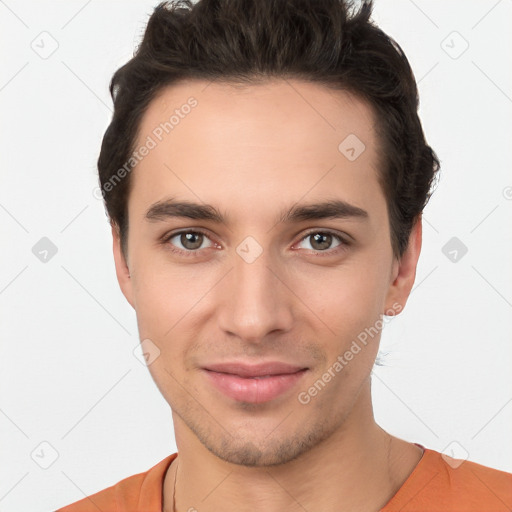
256, 301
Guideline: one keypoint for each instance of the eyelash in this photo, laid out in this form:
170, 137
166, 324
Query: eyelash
344, 243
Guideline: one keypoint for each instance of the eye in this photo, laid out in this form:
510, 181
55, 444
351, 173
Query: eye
189, 242
185, 242
321, 241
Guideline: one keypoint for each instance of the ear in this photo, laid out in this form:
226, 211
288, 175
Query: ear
122, 270
404, 272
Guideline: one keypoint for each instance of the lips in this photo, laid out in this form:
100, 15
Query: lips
254, 370
257, 383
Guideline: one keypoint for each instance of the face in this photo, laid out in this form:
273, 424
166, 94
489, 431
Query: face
234, 274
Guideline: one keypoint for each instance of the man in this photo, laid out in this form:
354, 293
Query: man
265, 172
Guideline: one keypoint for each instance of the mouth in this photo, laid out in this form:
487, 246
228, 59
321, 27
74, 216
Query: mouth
254, 383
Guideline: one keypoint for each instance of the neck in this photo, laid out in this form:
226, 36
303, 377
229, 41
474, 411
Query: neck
360, 466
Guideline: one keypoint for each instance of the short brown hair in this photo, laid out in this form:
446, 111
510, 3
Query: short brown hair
323, 41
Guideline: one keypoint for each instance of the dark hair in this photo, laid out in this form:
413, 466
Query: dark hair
323, 41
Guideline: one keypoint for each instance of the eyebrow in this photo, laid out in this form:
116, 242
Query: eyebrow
331, 209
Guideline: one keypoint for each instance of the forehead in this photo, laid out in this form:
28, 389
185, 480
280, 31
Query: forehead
262, 142
294, 111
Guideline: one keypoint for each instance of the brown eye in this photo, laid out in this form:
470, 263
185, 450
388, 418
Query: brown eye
191, 241
322, 241
187, 241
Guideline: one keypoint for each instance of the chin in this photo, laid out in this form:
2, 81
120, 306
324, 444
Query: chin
263, 452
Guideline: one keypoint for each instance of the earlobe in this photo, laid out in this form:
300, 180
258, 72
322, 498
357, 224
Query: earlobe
122, 269
404, 272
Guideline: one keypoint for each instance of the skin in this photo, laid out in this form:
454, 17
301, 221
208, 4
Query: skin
252, 152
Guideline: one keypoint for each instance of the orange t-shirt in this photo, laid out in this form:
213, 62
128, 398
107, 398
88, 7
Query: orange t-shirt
437, 484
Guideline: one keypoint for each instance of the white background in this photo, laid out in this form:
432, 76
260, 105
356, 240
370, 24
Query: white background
68, 375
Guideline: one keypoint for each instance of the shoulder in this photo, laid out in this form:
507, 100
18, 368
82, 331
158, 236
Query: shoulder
106, 499
478, 485
128, 495
440, 483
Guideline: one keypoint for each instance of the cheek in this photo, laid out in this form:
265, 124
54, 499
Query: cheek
167, 295
346, 299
